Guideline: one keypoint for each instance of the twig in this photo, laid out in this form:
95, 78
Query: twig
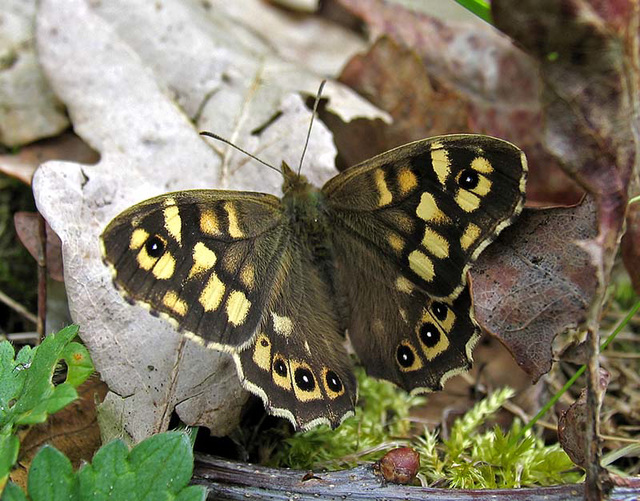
18, 308
229, 480
42, 277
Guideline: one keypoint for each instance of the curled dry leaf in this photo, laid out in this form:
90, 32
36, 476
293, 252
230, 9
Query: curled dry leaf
130, 74
572, 424
537, 281
28, 230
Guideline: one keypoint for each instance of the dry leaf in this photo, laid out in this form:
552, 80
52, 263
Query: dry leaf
496, 83
572, 424
28, 109
537, 281
28, 231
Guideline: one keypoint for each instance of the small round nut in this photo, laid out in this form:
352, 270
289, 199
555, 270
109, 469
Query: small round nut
400, 465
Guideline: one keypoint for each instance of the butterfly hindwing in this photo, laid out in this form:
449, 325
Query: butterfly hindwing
406, 227
298, 364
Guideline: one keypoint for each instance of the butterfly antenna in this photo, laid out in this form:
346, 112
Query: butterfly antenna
225, 141
315, 108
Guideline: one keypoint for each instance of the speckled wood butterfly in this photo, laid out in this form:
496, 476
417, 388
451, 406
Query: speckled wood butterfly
381, 252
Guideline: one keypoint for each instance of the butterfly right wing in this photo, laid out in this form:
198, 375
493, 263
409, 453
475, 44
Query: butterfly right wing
202, 259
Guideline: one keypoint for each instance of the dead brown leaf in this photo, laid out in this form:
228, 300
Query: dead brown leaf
536, 281
630, 246
572, 424
28, 230
477, 81
66, 146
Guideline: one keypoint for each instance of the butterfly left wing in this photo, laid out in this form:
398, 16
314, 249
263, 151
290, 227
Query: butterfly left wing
232, 273
406, 226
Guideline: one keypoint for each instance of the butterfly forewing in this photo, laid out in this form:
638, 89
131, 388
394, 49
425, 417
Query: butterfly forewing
406, 227
204, 259
431, 206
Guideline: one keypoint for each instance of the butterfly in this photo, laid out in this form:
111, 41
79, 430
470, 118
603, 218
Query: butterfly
380, 254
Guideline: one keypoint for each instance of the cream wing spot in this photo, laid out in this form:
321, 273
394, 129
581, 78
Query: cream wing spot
421, 265
138, 238
467, 200
396, 242
383, 189
212, 294
481, 164
234, 229
404, 285
237, 307
282, 325
440, 162
428, 210
262, 352
484, 186
435, 243
407, 180
247, 275
204, 259
164, 267
174, 303
470, 235
172, 220
209, 223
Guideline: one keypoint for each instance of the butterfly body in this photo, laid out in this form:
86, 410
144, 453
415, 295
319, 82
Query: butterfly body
381, 251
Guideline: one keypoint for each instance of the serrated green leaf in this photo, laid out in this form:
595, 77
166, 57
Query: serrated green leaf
51, 476
79, 364
13, 493
159, 468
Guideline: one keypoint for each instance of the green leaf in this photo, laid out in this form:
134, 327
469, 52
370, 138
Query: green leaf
159, 468
27, 394
79, 364
9, 447
51, 476
13, 493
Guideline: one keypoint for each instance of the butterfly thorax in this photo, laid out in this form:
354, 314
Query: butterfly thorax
305, 207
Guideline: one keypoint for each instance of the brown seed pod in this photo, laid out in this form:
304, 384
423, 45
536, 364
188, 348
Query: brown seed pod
400, 465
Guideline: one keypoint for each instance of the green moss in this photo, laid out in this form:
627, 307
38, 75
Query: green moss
472, 457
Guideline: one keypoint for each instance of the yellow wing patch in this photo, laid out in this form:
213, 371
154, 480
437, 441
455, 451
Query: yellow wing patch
237, 307
212, 294
421, 265
203, 259
383, 189
440, 162
435, 243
